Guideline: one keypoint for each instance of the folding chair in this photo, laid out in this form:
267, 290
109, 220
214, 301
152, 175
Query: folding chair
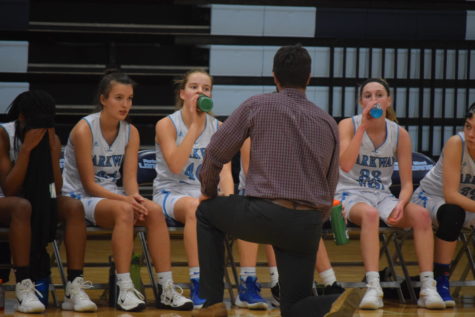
145, 175
467, 240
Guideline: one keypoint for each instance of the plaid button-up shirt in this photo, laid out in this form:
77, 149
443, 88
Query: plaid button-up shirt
294, 149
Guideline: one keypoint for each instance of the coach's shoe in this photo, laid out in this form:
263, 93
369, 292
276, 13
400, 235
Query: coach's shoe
373, 298
275, 290
335, 288
129, 298
215, 310
75, 298
249, 294
171, 297
443, 288
428, 297
194, 293
27, 298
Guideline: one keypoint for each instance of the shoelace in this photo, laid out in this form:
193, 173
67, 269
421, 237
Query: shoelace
175, 290
129, 287
80, 290
254, 287
30, 290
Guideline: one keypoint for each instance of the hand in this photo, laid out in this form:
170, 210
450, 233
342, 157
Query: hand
197, 116
396, 215
33, 137
140, 211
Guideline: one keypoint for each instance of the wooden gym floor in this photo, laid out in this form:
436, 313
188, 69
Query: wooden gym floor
99, 251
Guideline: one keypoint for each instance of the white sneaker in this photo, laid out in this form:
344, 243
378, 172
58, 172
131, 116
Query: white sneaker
75, 298
27, 297
429, 297
373, 298
171, 298
129, 298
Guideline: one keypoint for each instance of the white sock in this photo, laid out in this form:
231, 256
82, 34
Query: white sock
274, 275
246, 271
328, 277
194, 272
372, 276
164, 277
123, 276
426, 277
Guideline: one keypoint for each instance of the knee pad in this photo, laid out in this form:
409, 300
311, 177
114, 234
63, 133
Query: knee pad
451, 219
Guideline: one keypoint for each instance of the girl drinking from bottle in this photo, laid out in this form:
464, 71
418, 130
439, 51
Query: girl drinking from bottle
181, 139
369, 147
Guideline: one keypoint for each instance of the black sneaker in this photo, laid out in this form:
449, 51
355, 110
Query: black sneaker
275, 300
335, 288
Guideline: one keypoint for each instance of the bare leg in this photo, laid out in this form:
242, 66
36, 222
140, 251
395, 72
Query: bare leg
419, 219
185, 212
444, 251
16, 213
119, 217
158, 239
71, 212
247, 253
323, 261
368, 218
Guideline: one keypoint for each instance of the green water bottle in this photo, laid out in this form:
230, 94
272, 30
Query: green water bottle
205, 103
337, 221
135, 273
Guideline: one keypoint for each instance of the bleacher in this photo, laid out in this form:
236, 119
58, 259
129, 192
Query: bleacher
424, 48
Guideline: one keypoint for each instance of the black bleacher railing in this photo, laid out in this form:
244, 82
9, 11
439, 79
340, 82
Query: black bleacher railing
72, 43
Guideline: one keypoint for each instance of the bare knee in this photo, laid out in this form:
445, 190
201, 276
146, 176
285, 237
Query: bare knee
370, 218
21, 211
71, 210
420, 218
124, 215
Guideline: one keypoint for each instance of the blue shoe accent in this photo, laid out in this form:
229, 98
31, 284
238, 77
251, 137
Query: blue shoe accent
249, 294
443, 288
42, 285
194, 291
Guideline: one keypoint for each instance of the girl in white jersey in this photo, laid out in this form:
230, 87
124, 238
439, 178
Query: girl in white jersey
181, 140
368, 149
448, 192
98, 146
18, 139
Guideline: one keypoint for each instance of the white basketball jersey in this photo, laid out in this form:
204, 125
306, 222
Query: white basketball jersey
188, 179
432, 183
9, 128
374, 166
106, 158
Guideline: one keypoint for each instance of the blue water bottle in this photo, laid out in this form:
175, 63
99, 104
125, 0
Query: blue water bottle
376, 111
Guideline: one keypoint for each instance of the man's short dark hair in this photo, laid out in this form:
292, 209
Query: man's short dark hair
292, 66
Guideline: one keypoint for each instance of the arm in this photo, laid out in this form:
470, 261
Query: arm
223, 146
350, 143
131, 186
404, 157
226, 182
175, 155
246, 155
13, 176
451, 175
55, 146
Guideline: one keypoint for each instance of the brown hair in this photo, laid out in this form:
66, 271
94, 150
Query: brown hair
390, 112
181, 83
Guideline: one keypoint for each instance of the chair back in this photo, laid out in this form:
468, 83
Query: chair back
146, 167
421, 164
